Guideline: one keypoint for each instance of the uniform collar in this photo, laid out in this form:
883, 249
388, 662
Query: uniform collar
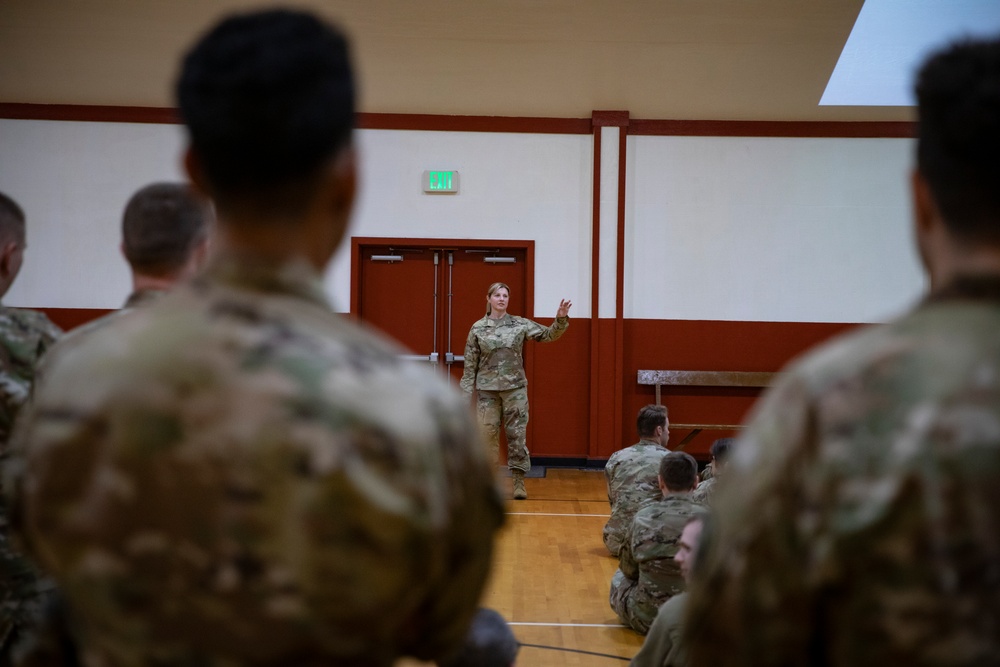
294, 277
143, 296
970, 287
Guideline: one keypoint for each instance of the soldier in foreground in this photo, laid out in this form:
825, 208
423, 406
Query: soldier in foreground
234, 474
25, 335
632, 474
859, 521
647, 574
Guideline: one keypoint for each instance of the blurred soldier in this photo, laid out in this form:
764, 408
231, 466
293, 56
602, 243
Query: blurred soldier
234, 474
859, 522
632, 473
663, 647
647, 575
25, 335
720, 452
164, 240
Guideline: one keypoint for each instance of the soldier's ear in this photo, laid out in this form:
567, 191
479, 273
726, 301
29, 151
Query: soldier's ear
7, 263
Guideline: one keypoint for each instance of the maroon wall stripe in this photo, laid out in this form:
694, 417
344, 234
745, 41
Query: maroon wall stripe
767, 128
595, 266
89, 113
515, 124
620, 278
525, 124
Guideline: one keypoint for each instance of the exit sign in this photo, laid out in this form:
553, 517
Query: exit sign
441, 181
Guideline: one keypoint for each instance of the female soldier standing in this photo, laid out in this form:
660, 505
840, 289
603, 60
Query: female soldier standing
494, 367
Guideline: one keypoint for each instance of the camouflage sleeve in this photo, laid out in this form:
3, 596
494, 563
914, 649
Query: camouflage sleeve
468, 382
626, 559
749, 603
537, 332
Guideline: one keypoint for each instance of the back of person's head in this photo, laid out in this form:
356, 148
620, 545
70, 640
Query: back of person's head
650, 416
958, 149
162, 225
11, 221
720, 449
489, 643
679, 471
268, 100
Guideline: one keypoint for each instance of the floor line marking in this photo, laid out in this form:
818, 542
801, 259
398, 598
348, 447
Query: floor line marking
548, 514
571, 625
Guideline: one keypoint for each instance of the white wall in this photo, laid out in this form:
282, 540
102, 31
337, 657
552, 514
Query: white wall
73, 180
759, 229
513, 186
769, 229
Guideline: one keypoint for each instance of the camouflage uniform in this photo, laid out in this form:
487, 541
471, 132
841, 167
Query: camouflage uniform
632, 475
25, 335
495, 368
663, 646
860, 519
705, 490
75, 336
236, 475
647, 575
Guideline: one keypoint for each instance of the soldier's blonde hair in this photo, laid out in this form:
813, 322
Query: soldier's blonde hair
493, 288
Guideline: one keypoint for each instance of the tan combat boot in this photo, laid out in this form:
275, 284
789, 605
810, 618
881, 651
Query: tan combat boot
519, 492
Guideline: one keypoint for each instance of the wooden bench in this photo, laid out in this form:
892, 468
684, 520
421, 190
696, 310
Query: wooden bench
751, 379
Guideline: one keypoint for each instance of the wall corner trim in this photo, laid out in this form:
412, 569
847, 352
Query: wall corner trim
610, 118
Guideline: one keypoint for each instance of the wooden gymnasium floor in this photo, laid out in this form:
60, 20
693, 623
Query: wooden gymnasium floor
551, 575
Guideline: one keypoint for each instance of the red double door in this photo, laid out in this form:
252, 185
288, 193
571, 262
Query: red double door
426, 293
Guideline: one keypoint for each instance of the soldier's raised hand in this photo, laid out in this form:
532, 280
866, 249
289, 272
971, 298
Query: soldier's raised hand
564, 307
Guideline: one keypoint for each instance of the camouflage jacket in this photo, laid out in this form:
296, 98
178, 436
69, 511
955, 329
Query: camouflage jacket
25, 335
859, 521
235, 474
632, 475
705, 490
647, 554
493, 360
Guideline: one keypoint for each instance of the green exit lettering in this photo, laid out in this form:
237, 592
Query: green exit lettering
440, 180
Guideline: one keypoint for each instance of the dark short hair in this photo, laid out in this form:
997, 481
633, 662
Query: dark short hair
720, 449
162, 224
679, 471
268, 100
958, 146
11, 220
489, 643
650, 416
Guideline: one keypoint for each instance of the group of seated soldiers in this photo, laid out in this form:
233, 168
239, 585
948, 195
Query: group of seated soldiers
654, 493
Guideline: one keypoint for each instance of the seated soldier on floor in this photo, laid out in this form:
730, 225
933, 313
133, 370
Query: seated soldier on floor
720, 453
631, 473
647, 574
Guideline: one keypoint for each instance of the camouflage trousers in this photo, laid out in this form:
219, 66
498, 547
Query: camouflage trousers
628, 602
510, 407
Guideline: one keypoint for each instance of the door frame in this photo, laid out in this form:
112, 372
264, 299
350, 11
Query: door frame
358, 243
